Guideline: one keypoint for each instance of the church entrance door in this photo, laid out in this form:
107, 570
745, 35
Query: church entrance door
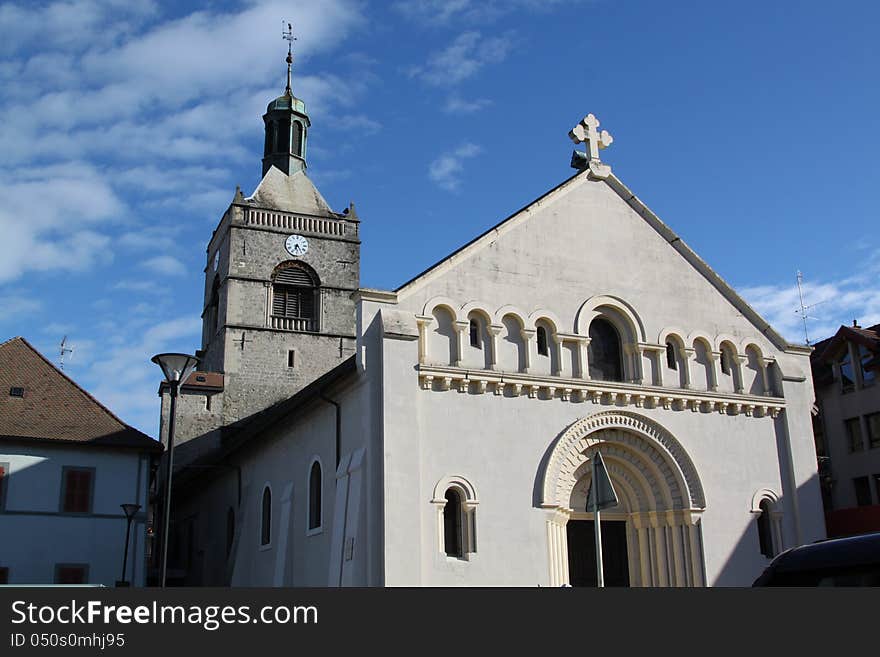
582, 553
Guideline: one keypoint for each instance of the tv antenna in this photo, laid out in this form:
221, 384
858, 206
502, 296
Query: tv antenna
64, 350
802, 311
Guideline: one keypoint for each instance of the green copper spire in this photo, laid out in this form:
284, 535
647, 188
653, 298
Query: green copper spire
287, 124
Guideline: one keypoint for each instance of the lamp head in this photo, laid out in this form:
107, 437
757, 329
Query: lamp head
176, 367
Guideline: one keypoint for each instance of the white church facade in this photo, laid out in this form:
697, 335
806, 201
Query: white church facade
440, 434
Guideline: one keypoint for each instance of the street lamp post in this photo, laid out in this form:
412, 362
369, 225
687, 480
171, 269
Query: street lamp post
129, 510
176, 368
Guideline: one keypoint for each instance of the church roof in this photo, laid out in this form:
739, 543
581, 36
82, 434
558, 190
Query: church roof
49, 406
293, 193
524, 213
255, 428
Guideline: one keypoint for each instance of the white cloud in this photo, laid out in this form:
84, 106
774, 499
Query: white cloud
444, 12
458, 105
358, 125
446, 170
165, 265
54, 218
126, 102
463, 58
834, 302
13, 308
122, 377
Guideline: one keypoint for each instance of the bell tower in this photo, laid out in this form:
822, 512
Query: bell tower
281, 269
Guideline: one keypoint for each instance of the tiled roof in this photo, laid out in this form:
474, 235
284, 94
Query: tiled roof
53, 407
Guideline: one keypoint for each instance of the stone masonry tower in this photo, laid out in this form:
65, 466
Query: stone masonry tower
281, 270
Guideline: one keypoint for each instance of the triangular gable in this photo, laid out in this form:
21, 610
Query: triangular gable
868, 338
523, 214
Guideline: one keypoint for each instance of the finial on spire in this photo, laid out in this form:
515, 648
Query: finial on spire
287, 35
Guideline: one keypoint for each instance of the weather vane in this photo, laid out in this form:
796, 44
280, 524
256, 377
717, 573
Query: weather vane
287, 35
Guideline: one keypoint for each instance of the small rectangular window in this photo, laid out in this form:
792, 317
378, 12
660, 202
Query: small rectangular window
207, 402
71, 573
291, 358
76, 490
863, 491
873, 422
16, 391
854, 434
4, 575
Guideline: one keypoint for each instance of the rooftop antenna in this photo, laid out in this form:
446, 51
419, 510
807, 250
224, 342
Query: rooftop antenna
63, 351
287, 35
802, 311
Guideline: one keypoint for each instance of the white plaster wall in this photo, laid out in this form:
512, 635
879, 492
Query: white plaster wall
37, 535
579, 242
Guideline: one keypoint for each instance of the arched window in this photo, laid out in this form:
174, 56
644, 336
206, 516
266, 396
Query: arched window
604, 350
230, 530
297, 138
270, 138
295, 297
452, 525
315, 510
725, 361
543, 349
266, 518
475, 334
282, 145
671, 358
765, 533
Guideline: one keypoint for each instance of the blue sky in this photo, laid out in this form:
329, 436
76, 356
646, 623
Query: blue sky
125, 125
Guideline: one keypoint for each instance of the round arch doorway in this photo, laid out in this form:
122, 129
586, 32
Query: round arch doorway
653, 537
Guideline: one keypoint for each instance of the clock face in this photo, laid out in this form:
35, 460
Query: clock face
297, 245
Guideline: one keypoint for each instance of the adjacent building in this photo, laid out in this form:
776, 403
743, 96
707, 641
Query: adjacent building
66, 465
441, 433
845, 369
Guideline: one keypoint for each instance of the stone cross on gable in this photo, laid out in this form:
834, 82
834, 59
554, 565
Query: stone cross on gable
587, 132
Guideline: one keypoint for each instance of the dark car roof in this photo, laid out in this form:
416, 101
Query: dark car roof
850, 551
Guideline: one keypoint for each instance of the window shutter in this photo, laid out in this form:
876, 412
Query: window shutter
294, 276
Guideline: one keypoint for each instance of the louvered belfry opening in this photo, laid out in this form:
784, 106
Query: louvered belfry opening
295, 291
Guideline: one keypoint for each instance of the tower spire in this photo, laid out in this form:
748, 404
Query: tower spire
287, 123
287, 35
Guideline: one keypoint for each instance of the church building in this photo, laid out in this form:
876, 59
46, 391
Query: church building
442, 433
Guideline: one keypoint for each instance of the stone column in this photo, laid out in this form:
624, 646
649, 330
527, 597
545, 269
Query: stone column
678, 551
557, 545
713, 357
528, 344
765, 378
461, 339
658, 530
423, 321
494, 331
692, 520
688, 357
556, 366
583, 358
640, 524
737, 372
